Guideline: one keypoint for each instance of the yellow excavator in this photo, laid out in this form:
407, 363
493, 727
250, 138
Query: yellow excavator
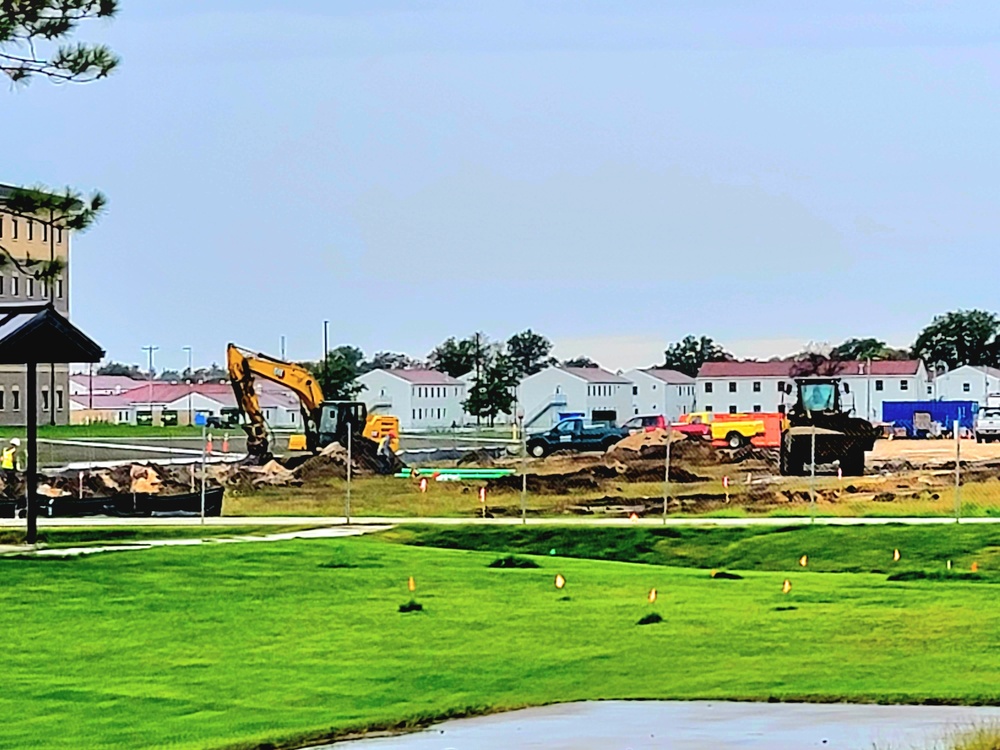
325, 422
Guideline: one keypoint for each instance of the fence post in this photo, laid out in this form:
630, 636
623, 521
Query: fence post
666, 475
812, 477
958, 472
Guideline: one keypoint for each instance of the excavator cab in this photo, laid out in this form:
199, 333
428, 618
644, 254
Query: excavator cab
336, 420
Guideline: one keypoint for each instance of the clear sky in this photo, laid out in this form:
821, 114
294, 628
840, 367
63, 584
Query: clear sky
614, 175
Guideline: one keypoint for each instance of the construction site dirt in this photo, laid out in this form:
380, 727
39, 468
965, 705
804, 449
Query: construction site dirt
902, 475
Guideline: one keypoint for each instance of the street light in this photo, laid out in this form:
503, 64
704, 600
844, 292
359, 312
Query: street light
190, 379
149, 350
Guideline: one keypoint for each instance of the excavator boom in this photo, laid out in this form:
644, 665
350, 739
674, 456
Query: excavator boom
324, 421
244, 366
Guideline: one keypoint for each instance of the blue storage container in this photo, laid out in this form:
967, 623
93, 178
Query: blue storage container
946, 413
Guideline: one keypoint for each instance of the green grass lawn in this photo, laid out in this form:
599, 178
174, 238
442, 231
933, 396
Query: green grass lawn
238, 645
89, 431
73, 536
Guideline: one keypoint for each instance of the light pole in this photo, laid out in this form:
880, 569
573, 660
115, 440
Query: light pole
524, 464
149, 350
190, 379
326, 341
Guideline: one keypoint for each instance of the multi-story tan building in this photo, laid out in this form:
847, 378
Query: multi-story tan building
24, 238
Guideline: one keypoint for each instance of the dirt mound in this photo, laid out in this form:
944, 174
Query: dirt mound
766, 457
331, 463
653, 445
480, 457
271, 474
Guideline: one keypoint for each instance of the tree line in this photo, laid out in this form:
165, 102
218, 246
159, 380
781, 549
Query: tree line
963, 337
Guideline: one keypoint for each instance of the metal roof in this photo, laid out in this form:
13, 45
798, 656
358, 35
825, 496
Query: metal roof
33, 332
786, 368
596, 375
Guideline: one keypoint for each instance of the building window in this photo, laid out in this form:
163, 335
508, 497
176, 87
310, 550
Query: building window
31, 230
1, 226
756, 407
879, 385
635, 390
781, 408
966, 387
59, 236
45, 399
13, 286
45, 232
732, 408
2, 404
15, 398
708, 388
904, 385
732, 386
781, 386
756, 386
59, 399
1, 284
31, 287
708, 407
14, 228
929, 390
59, 292
414, 413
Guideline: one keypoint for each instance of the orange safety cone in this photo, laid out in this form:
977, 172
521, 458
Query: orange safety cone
225, 442
208, 444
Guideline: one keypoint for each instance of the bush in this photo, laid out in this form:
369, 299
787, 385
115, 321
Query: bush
512, 561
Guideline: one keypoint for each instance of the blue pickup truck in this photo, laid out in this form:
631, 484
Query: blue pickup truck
575, 435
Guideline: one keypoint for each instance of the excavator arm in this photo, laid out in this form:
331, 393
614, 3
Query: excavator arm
244, 366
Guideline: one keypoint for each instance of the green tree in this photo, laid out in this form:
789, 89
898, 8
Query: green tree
338, 374
388, 361
493, 391
54, 212
208, 374
579, 362
869, 348
963, 337
528, 353
117, 368
457, 357
169, 375
689, 354
30, 36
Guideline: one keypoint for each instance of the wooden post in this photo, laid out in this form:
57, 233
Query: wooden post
31, 409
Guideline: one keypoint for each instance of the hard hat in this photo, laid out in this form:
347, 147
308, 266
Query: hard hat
15, 441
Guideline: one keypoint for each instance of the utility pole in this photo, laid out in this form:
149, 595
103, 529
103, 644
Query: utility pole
326, 341
51, 284
149, 350
190, 379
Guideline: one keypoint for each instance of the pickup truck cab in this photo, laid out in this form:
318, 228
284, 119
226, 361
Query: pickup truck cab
987, 425
575, 435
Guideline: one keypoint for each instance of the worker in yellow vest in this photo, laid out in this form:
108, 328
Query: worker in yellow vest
8, 462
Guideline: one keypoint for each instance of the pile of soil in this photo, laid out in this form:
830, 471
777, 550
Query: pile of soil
331, 463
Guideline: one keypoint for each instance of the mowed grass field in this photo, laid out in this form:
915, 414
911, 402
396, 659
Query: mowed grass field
242, 645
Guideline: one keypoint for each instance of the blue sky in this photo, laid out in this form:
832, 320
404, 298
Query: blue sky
614, 175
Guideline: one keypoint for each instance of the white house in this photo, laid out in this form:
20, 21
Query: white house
966, 383
756, 386
422, 399
662, 391
597, 394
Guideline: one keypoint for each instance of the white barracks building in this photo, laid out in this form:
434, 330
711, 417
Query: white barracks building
756, 386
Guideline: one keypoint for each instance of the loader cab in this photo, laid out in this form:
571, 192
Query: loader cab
822, 395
